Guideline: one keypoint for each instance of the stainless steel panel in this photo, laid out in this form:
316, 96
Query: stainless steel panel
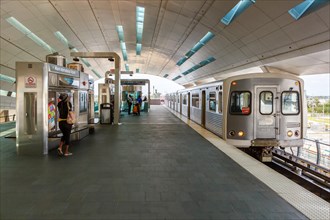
214, 122
195, 115
185, 110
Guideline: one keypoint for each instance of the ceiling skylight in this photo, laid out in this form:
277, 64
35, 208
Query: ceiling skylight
197, 46
19, 26
241, 6
139, 28
305, 7
120, 31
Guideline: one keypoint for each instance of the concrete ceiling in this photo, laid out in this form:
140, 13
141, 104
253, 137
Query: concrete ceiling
264, 35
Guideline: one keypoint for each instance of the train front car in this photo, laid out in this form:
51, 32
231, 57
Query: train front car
264, 111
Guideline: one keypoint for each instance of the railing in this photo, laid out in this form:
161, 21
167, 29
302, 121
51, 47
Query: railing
314, 151
7, 118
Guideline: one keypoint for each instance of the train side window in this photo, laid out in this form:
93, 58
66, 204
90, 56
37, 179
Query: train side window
220, 102
266, 102
184, 100
240, 103
212, 102
290, 103
195, 100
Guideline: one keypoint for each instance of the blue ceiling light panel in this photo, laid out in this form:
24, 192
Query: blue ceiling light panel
137, 70
207, 37
139, 28
126, 67
120, 31
85, 62
19, 26
7, 78
63, 39
166, 75
239, 8
96, 73
176, 78
306, 7
199, 65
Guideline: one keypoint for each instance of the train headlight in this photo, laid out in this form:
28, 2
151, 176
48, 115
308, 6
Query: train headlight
290, 133
241, 133
296, 133
231, 133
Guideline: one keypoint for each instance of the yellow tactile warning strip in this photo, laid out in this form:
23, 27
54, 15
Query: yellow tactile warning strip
306, 202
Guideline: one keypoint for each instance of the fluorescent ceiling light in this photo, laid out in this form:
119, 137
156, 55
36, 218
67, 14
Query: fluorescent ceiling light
137, 70
166, 75
176, 78
19, 26
139, 28
120, 32
85, 62
201, 43
126, 67
7, 78
305, 7
241, 6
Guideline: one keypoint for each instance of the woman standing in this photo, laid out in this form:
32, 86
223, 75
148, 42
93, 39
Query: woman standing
64, 106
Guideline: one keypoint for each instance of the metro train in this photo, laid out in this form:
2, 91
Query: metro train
256, 111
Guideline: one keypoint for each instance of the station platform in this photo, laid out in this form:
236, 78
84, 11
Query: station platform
153, 166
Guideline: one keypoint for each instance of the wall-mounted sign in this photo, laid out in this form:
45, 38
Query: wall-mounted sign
30, 82
133, 82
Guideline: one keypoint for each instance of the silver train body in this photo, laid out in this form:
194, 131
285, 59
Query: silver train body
254, 110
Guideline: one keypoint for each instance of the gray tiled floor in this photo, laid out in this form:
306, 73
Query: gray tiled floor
152, 166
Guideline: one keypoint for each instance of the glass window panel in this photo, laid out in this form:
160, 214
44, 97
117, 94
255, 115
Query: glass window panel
240, 103
212, 102
266, 103
195, 100
184, 101
290, 103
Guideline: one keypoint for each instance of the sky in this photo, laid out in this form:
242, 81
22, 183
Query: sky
317, 85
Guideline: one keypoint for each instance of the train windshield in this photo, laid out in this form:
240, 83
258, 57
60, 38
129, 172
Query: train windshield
290, 103
240, 103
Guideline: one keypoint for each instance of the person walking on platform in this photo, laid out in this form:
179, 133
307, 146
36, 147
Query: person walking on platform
139, 103
64, 106
129, 103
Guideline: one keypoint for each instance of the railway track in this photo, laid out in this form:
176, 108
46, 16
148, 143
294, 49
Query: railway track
311, 176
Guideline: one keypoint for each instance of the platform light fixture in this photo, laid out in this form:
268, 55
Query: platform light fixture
305, 7
63, 39
202, 42
126, 67
139, 28
166, 75
19, 26
137, 70
239, 8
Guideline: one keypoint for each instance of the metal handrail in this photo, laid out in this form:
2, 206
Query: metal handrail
318, 150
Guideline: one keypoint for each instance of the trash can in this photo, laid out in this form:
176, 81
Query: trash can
146, 107
105, 113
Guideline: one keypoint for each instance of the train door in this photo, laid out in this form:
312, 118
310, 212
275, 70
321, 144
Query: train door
189, 105
266, 122
203, 108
